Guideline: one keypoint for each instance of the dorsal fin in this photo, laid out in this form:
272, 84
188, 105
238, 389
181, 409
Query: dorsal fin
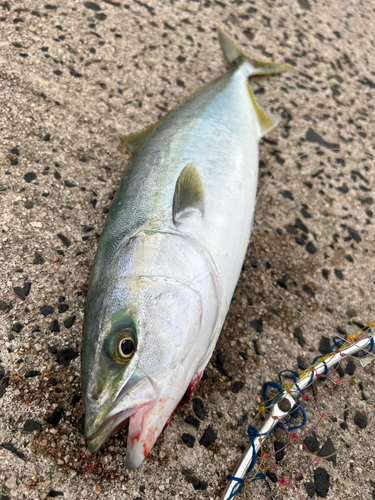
189, 192
266, 121
134, 142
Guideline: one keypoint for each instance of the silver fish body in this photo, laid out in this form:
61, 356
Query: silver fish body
169, 259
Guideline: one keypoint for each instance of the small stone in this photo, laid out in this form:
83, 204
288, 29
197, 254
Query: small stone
31, 426
19, 292
54, 326
26, 288
192, 421
62, 307
92, 6
46, 310
197, 483
66, 241
310, 489
38, 259
209, 437
360, 420
272, 476
237, 386
54, 493
301, 363
198, 408
321, 479
328, 451
17, 327
350, 367
12, 449
54, 419
188, 439
310, 247
344, 426
32, 373
311, 443
27, 345
278, 445
11, 483
38, 347
97, 489
30, 176
297, 334
3, 305
257, 324
68, 323
324, 345
65, 356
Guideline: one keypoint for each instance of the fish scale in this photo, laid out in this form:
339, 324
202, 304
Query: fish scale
170, 256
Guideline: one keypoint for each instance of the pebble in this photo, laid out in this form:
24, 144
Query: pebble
66, 241
324, 345
279, 454
197, 483
32, 373
321, 479
209, 437
192, 421
297, 333
54, 493
19, 292
17, 327
310, 489
65, 356
198, 408
328, 451
188, 439
350, 367
32, 425
46, 310
237, 386
360, 420
68, 323
11, 483
97, 489
311, 443
54, 419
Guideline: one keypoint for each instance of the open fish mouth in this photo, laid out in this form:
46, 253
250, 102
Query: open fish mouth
133, 397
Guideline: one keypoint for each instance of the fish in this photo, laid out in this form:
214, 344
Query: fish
170, 256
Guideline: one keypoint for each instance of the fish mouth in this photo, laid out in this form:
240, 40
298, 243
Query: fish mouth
133, 397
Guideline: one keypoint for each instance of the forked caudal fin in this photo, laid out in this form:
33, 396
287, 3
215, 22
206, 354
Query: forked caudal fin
235, 56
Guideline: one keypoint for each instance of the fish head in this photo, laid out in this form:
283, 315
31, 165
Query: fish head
147, 332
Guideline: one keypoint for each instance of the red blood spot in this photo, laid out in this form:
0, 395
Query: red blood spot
135, 438
185, 398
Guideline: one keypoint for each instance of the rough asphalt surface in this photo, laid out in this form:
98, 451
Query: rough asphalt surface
75, 75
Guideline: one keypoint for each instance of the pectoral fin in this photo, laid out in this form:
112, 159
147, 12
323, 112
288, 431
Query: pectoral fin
189, 192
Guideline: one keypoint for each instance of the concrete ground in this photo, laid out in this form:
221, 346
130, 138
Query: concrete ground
75, 75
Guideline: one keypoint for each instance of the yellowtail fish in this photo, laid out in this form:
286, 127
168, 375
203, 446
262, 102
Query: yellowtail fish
170, 255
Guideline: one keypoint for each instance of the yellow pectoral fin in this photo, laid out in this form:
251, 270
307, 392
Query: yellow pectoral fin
189, 192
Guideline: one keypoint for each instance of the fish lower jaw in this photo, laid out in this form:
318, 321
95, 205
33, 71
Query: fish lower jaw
98, 437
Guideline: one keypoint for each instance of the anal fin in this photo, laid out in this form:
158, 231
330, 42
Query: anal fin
266, 121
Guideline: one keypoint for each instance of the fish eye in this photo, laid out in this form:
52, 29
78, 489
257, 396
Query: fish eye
126, 347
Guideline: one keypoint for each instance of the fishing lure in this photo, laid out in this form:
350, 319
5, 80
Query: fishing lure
289, 401
170, 255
